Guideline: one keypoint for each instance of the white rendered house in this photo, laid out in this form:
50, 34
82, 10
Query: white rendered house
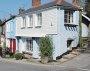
57, 19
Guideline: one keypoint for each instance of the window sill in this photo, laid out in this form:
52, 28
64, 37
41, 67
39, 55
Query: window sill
39, 26
23, 28
30, 27
70, 24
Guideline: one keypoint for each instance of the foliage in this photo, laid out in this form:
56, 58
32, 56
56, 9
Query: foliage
88, 8
19, 56
6, 51
46, 47
11, 54
82, 3
0, 21
4, 44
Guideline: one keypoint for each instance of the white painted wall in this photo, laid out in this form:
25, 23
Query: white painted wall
36, 52
48, 19
84, 30
22, 45
60, 40
52, 24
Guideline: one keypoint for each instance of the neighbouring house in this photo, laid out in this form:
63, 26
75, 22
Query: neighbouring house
10, 34
2, 33
89, 35
58, 19
89, 32
86, 28
85, 25
85, 31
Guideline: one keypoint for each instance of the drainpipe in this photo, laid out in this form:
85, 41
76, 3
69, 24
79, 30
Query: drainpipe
80, 28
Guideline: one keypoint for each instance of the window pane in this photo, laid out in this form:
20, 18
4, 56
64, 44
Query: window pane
24, 21
39, 19
31, 20
68, 16
29, 45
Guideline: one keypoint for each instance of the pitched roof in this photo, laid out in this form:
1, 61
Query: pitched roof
11, 17
86, 17
64, 5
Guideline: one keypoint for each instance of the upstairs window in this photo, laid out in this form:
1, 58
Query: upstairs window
39, 19
68, 17
24, 22
29, 20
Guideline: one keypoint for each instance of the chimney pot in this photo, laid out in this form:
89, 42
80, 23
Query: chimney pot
36, 3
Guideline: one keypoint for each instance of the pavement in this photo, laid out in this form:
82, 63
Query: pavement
79, 63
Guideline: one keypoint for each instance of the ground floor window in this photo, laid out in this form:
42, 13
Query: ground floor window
29, 44
69, 43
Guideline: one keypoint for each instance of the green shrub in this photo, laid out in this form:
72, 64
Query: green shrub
46, 47
19, 56
4, 44
11, 55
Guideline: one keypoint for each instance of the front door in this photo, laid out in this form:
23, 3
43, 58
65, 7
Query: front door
13, 45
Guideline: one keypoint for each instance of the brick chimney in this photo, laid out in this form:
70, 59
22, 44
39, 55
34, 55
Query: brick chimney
59, 1
36, 3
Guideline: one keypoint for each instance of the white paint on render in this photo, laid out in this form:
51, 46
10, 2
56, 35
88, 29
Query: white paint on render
8, 43
84, 30
36, 52
52, 24
27, 21
49, 25
22, 45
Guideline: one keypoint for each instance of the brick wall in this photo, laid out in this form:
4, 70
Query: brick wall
36, 3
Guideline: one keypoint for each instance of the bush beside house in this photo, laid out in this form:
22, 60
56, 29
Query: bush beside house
46, 49
19, 56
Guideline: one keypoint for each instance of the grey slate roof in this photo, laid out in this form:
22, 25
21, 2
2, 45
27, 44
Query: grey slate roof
64, 5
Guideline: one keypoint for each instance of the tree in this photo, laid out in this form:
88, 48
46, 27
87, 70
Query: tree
0, 21
88, 8
0, 27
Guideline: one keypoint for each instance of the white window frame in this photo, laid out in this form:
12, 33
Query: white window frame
68, 17
31, 21
24, 22
39, 20
29, 44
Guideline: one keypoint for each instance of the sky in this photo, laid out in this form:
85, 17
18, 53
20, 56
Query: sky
8, 7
